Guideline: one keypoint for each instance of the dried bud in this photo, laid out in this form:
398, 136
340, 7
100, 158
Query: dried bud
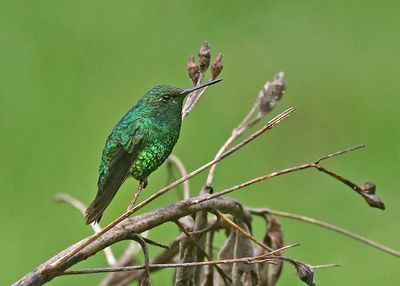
271, 93
368, 193
204, 56
305, 272
217, 66
193, 70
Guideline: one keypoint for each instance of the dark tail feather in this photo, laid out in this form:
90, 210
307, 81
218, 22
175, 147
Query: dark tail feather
97, 207
109, 184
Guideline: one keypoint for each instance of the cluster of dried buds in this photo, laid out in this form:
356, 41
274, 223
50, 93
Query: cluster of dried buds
196, 70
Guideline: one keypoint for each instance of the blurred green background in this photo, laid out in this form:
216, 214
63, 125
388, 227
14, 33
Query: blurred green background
71, 69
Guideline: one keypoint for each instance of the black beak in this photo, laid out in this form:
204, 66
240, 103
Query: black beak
189, 90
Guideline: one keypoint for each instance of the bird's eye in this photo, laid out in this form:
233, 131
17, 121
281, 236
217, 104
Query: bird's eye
166, 97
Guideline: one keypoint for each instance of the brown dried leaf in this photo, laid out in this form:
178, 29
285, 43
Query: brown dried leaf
269, 273
187, 253
226, 252
243, 274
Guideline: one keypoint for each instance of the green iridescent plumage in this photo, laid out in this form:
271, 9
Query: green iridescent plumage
139, 143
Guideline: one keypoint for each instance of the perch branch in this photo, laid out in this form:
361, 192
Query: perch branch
273, 122
124, 231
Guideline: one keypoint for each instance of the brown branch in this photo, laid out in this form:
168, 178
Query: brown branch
149, 220
124, 278
124, 231
65, 198
254, 259
269, 95
194, 242
243, 232
327, 226
312, 164
272, 123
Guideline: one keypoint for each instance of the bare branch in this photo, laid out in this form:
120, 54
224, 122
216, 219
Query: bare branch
327, 226
269, 95
311, 164
243, 232
332, 265
341, 152
254, 259
272, 123
194, 242
182, 169
65, 198
123, 231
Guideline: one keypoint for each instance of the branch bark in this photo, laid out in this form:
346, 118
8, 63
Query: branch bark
125, 231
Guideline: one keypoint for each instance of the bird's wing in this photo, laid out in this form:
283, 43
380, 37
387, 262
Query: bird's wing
119, 153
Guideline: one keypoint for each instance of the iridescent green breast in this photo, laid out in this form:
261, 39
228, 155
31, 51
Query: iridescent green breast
155, 150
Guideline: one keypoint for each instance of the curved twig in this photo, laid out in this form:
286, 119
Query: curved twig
272, 123
332, 227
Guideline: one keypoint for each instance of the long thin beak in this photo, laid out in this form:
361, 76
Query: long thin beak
189, 90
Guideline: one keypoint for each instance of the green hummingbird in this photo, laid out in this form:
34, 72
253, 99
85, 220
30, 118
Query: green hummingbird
140, 142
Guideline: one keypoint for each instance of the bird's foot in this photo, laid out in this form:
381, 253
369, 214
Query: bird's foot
142, 185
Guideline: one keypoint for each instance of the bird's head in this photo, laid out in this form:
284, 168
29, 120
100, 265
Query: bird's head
165, 100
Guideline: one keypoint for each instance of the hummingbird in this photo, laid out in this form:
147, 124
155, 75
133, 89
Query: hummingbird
140, 142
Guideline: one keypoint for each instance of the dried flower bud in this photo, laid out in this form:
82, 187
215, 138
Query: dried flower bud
305, 272
271, 93
193, 70
368, 193
217, 66
204, 56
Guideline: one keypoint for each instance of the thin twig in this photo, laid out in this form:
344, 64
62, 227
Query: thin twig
243, 232
340, 153
268, 96
65, 198
138, 224
223, 275
328, 226
194, 101
269, 176
182, 169
246, 119
252, 259
272, 123
239, 130
332, 265
143, 244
